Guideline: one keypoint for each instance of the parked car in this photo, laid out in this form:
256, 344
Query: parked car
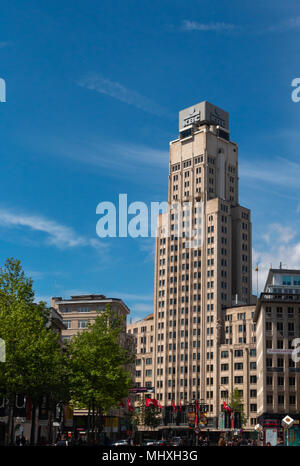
147, 442
176, 441
120, 443
62, 443
161, 443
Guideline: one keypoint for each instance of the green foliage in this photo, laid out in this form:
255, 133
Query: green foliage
236, 403
35, 364
14, 286
146, 416
99, 377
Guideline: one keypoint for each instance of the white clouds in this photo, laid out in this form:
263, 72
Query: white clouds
142, 154
58, 235
281, 172
283, 247
286, 25
119, 157
97, 82
218, 27
284, 234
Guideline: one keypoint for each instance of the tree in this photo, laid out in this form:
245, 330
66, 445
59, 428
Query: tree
14, 286
146, 416
237, 405
100, 377
35, 364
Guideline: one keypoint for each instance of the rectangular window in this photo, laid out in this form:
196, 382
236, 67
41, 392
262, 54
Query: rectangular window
83, 323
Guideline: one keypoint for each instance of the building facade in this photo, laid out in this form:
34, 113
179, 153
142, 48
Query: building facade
208, 334
195, 281
78, 312
237, 359
143, 332
277, 318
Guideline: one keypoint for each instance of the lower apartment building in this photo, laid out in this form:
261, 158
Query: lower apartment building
77, 313
277, 317
143, 332
237, 362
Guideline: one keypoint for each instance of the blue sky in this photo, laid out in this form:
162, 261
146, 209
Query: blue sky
93, 94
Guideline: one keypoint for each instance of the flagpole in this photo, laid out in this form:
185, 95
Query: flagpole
256, 270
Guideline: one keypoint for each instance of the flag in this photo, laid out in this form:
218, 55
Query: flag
174, 406
149, 402
196, 409
130, 407
153, 402
226, 407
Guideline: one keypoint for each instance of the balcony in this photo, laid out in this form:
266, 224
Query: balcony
282, 297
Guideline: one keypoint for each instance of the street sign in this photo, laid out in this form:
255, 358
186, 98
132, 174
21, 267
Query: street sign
197, 431
287, 422
258, 428
142, 390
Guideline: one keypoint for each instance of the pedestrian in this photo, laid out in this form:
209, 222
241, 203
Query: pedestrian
23, 441
221, 442
18, 440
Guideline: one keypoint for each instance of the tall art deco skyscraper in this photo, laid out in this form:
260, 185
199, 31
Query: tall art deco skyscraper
196, 280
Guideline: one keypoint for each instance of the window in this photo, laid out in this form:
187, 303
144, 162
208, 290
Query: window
148, 373
238, 353
238, 366
269, 380
83, 309
253, 408
268, 326
67, 323
280, 399
269, 362
238, 379
83, 323
280, 381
